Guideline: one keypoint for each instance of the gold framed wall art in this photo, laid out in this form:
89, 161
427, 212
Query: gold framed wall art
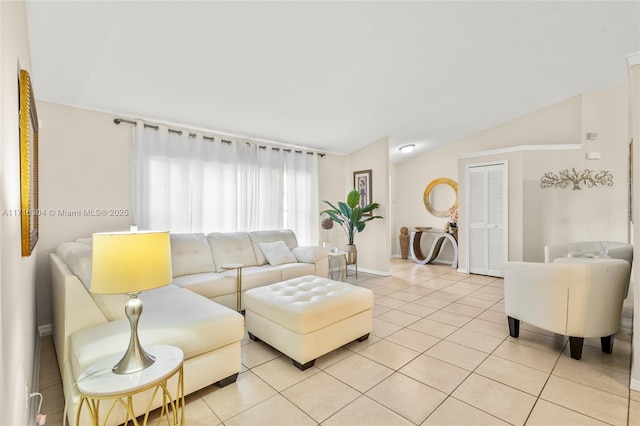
28, 165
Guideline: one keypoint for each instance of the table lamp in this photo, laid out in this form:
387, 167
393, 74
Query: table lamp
131, 262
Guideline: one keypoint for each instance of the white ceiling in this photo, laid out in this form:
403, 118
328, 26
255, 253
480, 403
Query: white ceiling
332, 76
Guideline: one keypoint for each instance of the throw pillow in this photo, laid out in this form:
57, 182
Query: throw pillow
277, 253
309, 254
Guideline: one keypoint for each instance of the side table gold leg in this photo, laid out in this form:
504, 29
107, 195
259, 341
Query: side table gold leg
239, 289
181, 395
238, 267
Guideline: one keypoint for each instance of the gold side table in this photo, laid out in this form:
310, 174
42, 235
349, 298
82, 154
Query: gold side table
238, 267
98, 383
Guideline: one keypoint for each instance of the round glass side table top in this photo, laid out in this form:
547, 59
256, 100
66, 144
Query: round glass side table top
99, 380
98, 383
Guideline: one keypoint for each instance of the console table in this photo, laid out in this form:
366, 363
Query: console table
438, 239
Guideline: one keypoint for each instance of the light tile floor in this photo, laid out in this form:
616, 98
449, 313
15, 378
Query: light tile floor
440, 354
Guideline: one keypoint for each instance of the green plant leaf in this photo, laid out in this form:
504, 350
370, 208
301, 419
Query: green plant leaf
372, 217
331, 205
353, 198
345, 210
356, 215
370, 207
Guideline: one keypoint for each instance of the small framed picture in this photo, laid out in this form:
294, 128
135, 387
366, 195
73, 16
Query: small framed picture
362, 182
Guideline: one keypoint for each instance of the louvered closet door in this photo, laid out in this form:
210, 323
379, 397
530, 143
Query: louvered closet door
487, 201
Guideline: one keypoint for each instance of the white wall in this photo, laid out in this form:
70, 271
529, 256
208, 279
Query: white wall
374, 248
85, 165
411, 179
559, 123
17, 279
331, 188
634, 133
534, 219
557, 215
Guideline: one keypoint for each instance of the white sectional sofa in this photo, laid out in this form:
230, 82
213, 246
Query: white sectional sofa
196, 312
197, 262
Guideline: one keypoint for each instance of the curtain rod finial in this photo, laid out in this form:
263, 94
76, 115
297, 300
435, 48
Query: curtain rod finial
122, 120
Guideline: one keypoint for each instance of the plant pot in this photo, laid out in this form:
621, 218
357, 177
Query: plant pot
352, 254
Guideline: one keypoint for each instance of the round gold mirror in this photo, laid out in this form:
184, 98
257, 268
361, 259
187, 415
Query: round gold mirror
440, 195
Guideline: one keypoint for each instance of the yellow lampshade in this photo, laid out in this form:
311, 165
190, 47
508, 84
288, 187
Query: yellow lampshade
129, 262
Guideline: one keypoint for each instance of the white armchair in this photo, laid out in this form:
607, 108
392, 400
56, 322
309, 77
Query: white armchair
615, 250
579, 299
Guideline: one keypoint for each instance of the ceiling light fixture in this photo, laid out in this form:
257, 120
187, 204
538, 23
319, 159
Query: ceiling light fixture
405, 149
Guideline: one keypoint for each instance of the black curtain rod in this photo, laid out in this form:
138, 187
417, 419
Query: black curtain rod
211, 138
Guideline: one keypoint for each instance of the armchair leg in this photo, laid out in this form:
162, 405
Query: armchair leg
514, 327
607, 343
575, 345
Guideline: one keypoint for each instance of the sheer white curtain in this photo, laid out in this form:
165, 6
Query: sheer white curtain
186, 183
270, 197
223, 186
301, 195
162, 179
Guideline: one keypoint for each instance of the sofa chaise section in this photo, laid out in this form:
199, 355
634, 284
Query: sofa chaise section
209, 334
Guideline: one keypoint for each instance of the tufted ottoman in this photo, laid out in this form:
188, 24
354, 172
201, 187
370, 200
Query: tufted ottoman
309, 316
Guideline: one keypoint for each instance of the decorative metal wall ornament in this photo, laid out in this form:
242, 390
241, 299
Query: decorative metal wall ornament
563, 178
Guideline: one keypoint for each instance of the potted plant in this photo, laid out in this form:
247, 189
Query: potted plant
350, 216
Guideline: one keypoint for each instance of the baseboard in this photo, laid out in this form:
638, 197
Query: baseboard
45, 330
462, 271
634, 385
33, 403
369, 271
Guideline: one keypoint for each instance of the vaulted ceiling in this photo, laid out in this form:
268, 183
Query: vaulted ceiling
332, 76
